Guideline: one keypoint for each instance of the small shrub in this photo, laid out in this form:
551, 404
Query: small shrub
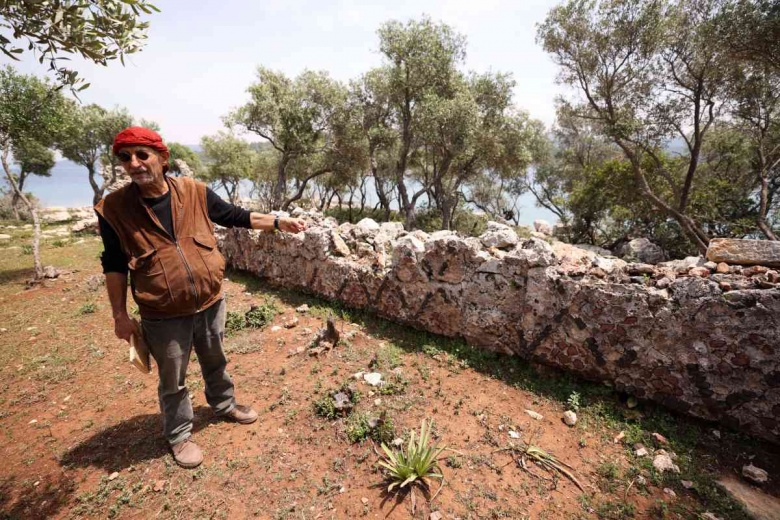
414, 464
325, 407
27, 249
260, 315
388, 357
394, 385
234, 322
360, 427
615, 510
574, 401
59, 243
88, 308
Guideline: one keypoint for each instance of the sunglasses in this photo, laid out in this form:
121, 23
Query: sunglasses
127, 156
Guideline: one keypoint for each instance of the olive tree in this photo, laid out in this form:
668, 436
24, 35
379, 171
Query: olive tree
30, 110
305, 121
646, 73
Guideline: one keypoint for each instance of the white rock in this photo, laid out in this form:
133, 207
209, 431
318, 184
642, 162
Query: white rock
755, 474
513, 434
302, 308
3, 236
55, 216
570, 418
670, 492
663, 462
113, 476
373, 378
534, 415
641, 452
368, 224
542, 226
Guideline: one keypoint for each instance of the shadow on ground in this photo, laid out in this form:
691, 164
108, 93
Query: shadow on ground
17, 501
128, 443
16, 275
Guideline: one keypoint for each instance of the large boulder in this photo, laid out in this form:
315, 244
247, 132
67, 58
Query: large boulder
499, 235
55, 214
744, 252
642, 250
542, 226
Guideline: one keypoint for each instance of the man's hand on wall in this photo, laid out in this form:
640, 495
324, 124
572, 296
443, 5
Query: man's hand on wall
292, 225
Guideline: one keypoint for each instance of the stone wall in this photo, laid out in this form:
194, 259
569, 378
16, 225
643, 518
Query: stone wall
700, 338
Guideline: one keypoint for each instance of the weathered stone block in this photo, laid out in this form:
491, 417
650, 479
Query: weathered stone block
744, 252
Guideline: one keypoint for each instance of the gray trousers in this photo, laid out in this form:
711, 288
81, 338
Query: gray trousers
170, 342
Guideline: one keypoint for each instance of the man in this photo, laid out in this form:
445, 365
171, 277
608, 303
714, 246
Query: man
159, 229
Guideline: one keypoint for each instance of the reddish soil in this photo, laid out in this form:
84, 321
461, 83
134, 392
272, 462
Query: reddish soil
81, 427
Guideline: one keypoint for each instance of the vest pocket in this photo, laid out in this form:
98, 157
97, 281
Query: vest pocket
213, 260
150, 286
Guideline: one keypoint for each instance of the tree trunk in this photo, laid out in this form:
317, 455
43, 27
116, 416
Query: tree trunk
36, 221
764, 201
690, 228
281, 185
97, 190
15, 200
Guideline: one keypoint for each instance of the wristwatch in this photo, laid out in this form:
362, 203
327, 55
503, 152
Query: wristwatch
276, 222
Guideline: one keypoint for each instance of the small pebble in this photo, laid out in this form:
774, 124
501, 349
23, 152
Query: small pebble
113, 476
534, 415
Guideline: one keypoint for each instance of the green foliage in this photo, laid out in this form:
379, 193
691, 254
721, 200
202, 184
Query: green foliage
325, 407
309, 128
645, 149
259, 316
88, 308
574, 401
183, 153
228, 160
359, 427
97, 31
27, 249
234, 322
395, 384
615, 510
416, 463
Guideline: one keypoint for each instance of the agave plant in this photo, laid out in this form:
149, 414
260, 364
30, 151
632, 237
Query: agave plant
413, 465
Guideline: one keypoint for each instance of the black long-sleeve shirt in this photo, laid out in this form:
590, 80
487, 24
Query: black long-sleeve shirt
115, 260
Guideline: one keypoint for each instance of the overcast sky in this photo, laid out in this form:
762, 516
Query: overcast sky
202, 55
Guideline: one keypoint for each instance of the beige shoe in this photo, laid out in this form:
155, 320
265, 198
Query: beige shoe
241, 414
187, 454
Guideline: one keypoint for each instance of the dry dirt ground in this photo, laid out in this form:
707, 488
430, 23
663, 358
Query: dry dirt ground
81, 430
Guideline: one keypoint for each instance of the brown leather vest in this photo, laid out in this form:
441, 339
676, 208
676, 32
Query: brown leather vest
168, 278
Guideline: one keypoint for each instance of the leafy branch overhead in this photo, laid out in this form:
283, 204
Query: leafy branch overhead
97, 31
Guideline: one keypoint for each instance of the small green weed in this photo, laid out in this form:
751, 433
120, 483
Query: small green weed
615, 510
325, 407
259, 316
414, 464
88, 308
234, 322
361, 427
574, 401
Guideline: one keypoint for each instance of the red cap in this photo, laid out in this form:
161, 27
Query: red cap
139, 136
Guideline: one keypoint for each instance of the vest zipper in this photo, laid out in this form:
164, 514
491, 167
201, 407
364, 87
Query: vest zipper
189, 275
